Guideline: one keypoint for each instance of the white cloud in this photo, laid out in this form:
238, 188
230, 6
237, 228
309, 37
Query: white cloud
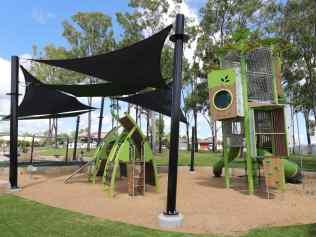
41, 16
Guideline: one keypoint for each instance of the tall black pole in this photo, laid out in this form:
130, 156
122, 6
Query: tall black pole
178, 38
100, 120
14, 122
67, 150
32, 149
74, 155
196, 147
192, 149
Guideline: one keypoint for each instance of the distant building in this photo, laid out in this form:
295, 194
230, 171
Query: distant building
183, 143
205, 144
93, 138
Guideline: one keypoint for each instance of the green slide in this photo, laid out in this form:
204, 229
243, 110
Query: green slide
292, 172
233, 152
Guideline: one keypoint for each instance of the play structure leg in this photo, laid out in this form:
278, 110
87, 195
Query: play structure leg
226, 169
248, 138
112, 185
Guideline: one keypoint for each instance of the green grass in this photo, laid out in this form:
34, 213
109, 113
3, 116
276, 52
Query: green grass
20, 217
60, 152
309, 162
23, 218
201, 158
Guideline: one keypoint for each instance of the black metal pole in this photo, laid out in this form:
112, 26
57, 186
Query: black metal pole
192, 149
74, 155
178, 38
32, 149
196, 146
13, 173
100, 120
67, 150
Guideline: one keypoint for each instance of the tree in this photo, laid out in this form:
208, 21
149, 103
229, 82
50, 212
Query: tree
89, 34
51, 75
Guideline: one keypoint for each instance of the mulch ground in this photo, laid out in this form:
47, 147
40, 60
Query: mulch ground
207, 206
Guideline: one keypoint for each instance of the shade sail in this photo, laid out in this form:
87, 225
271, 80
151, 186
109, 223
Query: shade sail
41, 102
96, 90
137, 65
159, 100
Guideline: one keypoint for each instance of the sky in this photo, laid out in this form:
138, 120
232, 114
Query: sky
39, 22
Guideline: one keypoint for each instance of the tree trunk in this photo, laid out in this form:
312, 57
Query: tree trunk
293, 128
306, 117
55, 127
50, 128
214, 136
298, 134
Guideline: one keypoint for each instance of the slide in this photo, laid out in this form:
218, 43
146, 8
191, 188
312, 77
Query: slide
292, 172
233, 152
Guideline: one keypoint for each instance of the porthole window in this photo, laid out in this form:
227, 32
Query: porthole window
222, 99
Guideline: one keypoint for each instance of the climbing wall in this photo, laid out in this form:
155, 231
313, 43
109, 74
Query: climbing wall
274, 173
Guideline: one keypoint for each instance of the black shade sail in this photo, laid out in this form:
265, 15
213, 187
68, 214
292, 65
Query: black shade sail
40, 102
159, 100
136, 66
96, 90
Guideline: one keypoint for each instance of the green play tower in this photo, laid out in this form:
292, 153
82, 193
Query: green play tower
247, 97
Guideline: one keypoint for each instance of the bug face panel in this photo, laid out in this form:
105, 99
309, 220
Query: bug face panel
225, 94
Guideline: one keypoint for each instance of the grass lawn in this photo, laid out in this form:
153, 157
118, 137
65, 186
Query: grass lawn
201, 158
20, 217
61, 152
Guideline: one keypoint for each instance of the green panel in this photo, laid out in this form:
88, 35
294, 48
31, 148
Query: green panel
226, 77
123, 152
148, 152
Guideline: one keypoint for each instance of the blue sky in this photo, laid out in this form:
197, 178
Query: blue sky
25, 23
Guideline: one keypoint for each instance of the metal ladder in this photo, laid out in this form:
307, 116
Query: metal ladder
138, 177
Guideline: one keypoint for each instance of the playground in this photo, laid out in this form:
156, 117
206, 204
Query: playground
136, 176
225, 212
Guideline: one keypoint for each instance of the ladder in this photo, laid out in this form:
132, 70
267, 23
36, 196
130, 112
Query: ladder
137, 172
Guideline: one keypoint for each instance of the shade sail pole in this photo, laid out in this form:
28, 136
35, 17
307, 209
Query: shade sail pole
13, 172
100, 120
74, 155
178, 39
192, 149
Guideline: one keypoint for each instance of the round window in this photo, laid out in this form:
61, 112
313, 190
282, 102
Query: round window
222, 99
